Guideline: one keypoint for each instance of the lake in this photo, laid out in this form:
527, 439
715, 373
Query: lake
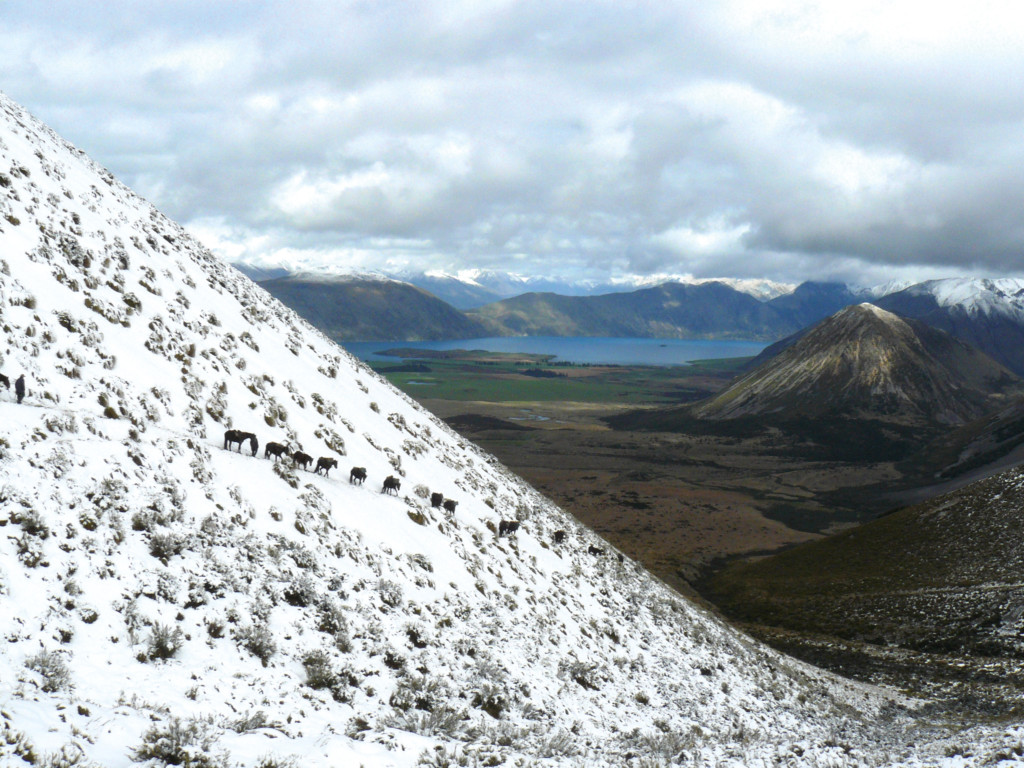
577, 349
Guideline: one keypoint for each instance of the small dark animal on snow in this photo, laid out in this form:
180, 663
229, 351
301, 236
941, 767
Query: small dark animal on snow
357, 475
622, 557
5, 381
276, 450
450, 505
558, 536
595, 550
233, 436
508, 526
302, 459
436, 499
19, 388
325, 464
391, 483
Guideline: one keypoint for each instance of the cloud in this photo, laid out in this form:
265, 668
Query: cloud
739, 138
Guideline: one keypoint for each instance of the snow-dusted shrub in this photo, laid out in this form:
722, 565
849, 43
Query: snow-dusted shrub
18, 744
558, 743
258, 640
491, 698
333, 622
442, 721
419, 692
332, 439
276, 761
250, 722
321, 674
390, 593
440, 757
165, 545
31, 522
584, 673
666, 744
300, 592
68, 756
51, 667
217, 403
164, 642
178, 742
30, 550
286, 472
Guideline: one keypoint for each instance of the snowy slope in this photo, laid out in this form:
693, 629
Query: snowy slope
975, 296
161, 596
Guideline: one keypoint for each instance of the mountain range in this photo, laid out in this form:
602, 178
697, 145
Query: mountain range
988, 314
173, 594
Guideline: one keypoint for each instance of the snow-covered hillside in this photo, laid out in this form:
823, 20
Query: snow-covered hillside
162, 597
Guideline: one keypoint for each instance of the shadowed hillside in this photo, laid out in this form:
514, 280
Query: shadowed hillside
353, 308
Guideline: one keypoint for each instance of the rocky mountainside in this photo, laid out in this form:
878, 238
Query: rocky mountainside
865, 362
365, 308
669, 310
169, 595
988, 314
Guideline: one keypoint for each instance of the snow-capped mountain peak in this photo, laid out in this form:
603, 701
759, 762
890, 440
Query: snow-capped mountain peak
985, 296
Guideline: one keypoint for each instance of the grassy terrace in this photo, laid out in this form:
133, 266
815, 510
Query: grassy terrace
495, 377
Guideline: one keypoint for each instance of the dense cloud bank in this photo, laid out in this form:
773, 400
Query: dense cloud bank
590, 140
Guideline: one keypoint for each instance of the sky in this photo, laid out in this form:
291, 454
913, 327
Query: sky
856, 141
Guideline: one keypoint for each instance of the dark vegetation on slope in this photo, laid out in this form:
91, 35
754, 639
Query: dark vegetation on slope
942, 581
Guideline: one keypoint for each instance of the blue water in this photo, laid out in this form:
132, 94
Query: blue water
577, 349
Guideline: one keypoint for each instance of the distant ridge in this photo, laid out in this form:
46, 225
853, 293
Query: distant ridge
669, 310
371, 308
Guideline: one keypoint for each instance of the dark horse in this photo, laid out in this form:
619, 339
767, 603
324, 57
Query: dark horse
302, 459
391, 483
326, 465
508, 527
357, 475
276, 450
436, 499
450, 505
233, 436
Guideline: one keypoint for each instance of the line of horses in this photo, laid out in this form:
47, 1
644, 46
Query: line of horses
357, 476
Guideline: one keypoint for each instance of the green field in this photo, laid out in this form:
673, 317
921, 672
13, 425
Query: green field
503, 378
